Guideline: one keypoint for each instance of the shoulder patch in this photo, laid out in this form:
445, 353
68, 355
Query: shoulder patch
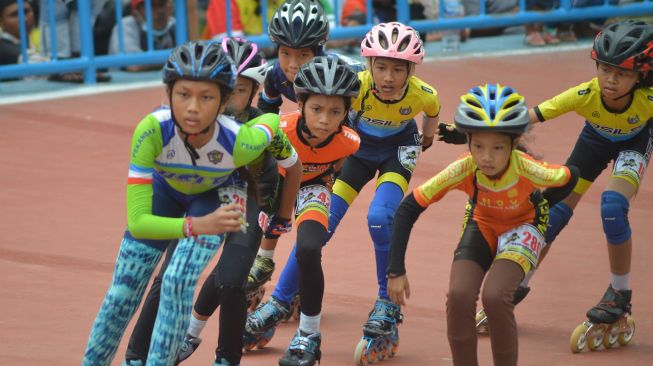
427, 89
584, 91
650, 98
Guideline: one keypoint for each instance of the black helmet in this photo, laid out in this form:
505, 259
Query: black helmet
247, 58
627, 44
299, 24
327, 75
201, 61
492, 107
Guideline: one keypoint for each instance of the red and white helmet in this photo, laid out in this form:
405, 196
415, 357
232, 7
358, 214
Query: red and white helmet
393, 40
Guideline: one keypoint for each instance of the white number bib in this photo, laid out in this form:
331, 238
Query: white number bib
315, 195
523, 245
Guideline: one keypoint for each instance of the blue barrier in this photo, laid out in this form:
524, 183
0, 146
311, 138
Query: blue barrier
89, 63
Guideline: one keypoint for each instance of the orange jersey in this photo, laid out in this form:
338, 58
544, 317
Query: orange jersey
500, 204
316, 161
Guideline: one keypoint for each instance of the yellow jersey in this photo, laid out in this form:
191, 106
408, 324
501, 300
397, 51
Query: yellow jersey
382, 119
585, 100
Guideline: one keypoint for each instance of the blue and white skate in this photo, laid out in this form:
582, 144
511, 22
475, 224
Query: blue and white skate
262, 322
380, 334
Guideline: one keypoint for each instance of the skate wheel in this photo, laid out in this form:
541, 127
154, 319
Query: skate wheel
625, 337
594, 337
392, 350
481, 323
382, 351
577, 341
249, 346
360, 358
611, 335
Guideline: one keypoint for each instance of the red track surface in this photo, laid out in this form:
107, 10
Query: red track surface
64, 166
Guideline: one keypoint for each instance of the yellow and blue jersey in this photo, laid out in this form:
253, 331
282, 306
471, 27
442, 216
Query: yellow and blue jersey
585, 100
382, 119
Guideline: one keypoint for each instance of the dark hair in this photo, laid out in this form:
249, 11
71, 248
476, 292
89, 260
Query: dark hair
304, 97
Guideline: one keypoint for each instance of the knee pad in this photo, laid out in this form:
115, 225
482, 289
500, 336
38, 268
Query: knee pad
382, 209
614, 214
559, 216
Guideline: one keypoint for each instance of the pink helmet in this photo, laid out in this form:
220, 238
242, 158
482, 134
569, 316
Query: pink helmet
393, 40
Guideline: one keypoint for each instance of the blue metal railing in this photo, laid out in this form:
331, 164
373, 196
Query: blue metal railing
89, 63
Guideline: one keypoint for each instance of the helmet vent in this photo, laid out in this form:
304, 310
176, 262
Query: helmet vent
198, 52
383, 41
473, 115
404, 44
510, 104
510, 117
184, 57
474, 103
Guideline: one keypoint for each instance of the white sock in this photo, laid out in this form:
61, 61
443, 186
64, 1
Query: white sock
527, 278
268, 253
309, 324
195, 327
620, 282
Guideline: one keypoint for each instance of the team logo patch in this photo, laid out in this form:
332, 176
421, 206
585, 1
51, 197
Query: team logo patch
426, 89
596, 114
170, 154
633, 120
405, 111
408, 156
215, 156
368, 107
584, 91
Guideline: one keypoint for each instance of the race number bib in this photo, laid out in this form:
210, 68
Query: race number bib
315, 196
631, 164
238, 196
522, 245
408, 156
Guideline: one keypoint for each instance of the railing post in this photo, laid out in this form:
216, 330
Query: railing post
23, 31
121, 34
86, 36
403, 12
181, 22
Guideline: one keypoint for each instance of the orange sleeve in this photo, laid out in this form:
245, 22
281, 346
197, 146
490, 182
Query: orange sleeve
456, 175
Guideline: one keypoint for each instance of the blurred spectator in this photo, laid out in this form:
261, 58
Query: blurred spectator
134, 28
492, 7
10, 49
66, 31
536, 35
216, 20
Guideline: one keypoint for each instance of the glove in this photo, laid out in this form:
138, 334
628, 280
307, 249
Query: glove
449, 134
422, 139
275, 226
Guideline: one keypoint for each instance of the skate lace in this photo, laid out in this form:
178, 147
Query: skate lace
301, 344
385, 311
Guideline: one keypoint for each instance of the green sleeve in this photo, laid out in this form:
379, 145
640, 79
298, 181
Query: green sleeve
146, 145
254, 137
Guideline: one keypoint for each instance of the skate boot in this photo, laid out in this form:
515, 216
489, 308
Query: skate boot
262, 323
221, 361
380, 333
304, 350
187, 347
609, 323
481, 318
295, 309
259, 274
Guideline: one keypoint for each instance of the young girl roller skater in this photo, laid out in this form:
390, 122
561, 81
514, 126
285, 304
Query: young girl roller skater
181, 169
617, 106
505, 220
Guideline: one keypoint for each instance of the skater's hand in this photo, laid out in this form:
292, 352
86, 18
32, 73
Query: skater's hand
227, 218
397, 287
449, 134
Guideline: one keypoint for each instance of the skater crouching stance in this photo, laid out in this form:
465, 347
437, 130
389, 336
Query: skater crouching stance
180, 181
617, 106
505, 220
225, 285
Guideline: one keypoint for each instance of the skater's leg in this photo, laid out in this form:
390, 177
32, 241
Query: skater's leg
498, 291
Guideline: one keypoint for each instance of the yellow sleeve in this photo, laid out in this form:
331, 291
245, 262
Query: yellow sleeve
429, 97
569, 100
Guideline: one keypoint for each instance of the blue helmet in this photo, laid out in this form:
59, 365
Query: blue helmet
492, 107
200, 61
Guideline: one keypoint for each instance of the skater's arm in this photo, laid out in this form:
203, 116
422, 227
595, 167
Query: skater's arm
557, 194
405, 217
